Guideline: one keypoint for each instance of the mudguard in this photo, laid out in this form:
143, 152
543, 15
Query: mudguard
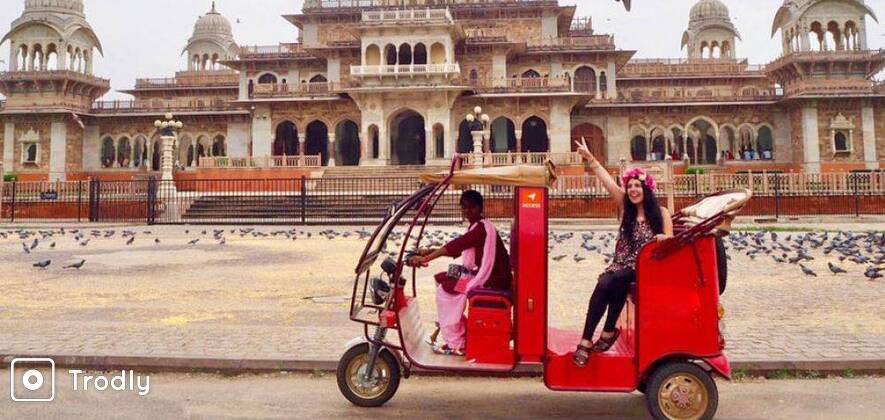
357, 341
720, 365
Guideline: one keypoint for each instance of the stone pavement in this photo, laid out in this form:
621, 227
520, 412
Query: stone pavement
274, 297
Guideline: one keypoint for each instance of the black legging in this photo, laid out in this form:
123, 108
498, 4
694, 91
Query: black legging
611, 292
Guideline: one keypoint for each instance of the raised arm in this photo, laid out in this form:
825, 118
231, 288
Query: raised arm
595, 168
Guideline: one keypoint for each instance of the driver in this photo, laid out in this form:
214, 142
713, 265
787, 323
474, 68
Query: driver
485, 264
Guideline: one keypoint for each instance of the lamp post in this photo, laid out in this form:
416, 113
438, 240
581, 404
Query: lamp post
168, 134
480, 131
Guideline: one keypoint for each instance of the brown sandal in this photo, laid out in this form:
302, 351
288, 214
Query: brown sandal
605, 344
582, 356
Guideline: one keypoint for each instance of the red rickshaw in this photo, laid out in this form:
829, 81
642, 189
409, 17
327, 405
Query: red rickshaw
670, 348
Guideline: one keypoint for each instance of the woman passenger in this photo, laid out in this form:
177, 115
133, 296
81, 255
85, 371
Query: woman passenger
642, 220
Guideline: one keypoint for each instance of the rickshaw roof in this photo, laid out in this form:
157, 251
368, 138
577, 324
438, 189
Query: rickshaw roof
519, 176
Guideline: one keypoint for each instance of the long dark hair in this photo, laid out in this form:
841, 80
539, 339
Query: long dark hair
653, 215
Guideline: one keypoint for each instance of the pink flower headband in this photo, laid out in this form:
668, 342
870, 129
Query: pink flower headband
643, 177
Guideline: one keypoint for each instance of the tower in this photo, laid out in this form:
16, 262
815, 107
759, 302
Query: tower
211, 42
710, 32
51, 56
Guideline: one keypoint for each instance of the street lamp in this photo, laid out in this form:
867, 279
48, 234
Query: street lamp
168, 133
479, 130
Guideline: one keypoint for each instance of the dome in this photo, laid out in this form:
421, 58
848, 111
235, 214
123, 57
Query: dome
709, 9
212, 23
58, 6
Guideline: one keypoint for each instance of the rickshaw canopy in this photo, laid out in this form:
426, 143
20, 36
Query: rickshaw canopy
519, 176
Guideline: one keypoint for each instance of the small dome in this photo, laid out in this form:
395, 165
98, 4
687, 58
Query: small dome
212, 23
59, 6
709, 10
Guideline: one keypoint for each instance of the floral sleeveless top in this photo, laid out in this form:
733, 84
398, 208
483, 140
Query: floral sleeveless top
625, 255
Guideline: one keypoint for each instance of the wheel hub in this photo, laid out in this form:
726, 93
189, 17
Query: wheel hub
682, 396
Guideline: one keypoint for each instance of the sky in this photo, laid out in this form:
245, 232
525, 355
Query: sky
144, 38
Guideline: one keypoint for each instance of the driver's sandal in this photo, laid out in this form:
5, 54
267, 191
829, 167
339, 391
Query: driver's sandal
582, 356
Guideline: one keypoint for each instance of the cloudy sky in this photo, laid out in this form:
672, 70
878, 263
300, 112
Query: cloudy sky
144, 38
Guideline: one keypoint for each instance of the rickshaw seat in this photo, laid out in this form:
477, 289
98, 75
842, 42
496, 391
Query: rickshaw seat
483, 292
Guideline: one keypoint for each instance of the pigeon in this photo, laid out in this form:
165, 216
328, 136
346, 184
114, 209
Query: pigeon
578, 258
223, 241
52, 245
807, 271
194, 242
34, 244
130, 241
76, 265
156, 240
25, 248
558, 258
84, 243
43, 264
835, 268
873, 273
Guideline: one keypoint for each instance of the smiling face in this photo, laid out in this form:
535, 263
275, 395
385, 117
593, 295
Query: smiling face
635, 192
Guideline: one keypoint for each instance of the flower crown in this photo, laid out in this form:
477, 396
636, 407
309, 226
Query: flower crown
643, 177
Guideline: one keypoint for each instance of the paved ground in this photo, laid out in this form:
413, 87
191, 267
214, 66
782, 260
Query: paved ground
302, 396
287, 297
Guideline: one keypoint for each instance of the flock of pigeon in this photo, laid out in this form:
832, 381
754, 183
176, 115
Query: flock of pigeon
857, 251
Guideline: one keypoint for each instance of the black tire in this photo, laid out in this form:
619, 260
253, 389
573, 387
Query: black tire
642, 387
354, 392
696, 394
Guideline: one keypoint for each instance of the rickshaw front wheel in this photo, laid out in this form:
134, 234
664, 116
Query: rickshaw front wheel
358, 386
683, 391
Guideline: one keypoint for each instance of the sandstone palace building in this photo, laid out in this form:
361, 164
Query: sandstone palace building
385, 85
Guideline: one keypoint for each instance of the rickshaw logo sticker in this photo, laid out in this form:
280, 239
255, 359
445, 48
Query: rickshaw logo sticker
531, 200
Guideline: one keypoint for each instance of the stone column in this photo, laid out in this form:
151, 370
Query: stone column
611, 77
869, 137
810, 141
302, 138
429, 145
331, 149
13, 56
167, 182
8, 146
518, 134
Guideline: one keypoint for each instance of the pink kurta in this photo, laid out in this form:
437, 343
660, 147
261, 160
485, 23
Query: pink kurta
451, 307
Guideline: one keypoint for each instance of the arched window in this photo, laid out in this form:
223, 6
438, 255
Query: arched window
124, 152
530, 74
405, 54
639, 149
108, 152
438, 54
267, 78
474, 76
318, 79
766, 143
534, 136
420, 54
219, 148
840, 142
585, 80
390, 54
373, 55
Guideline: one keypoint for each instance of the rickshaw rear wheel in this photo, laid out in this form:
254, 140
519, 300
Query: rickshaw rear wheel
683, 391
362, 390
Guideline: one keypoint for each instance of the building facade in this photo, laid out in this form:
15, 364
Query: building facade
384, 83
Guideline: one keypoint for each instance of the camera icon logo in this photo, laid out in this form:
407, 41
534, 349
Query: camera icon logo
32, 379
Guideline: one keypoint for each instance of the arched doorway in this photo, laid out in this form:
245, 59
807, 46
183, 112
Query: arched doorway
534, 136
408, 139
766, 143
185, 151
286, 141
503, 136
219, 146
375, 141
347, 143
317, 142
710, 150
465, 139
124, 152
595, 139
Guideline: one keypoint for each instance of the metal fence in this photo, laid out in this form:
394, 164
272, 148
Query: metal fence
307, 201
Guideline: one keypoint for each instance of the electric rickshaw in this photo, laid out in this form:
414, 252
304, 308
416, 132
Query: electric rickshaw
670, 345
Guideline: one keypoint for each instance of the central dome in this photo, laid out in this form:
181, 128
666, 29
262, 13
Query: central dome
212, 23
709, 9
63, 6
